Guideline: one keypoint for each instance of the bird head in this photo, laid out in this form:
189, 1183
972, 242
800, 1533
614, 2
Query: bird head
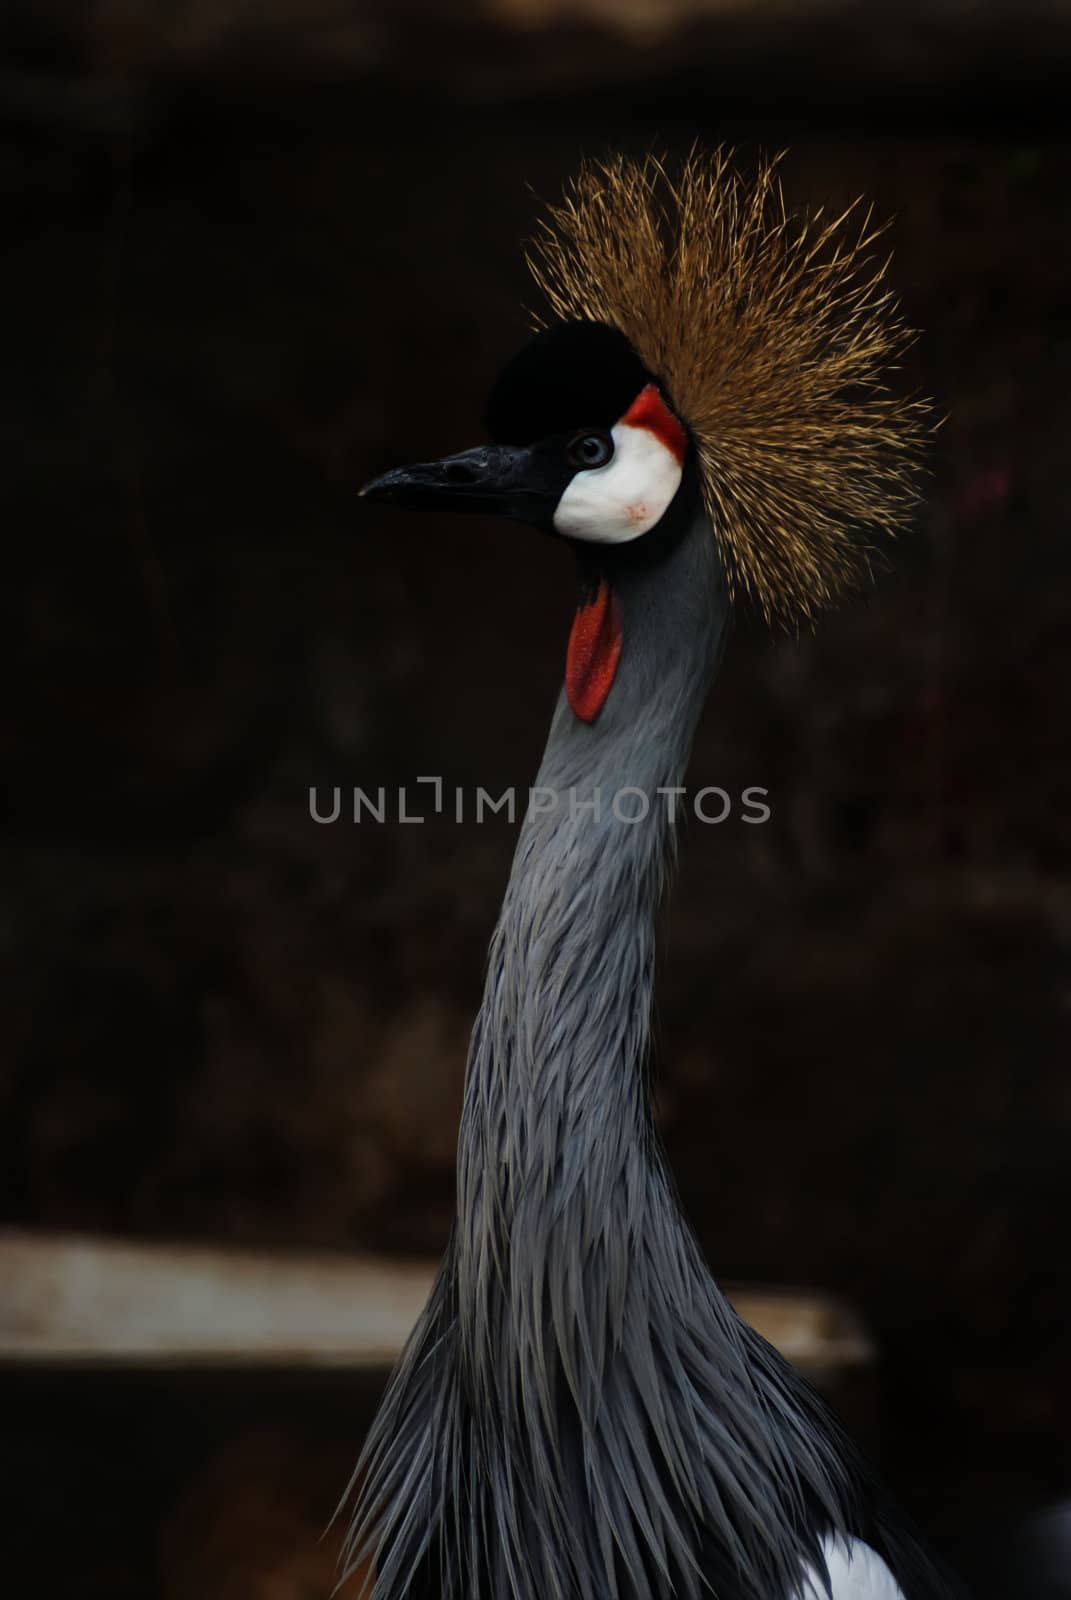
702, 346
586, 443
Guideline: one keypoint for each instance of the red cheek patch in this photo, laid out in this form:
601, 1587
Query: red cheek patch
650, 411
593, 654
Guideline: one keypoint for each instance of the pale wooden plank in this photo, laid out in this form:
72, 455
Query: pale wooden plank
69, 1299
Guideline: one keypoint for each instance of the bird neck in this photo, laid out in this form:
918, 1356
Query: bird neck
556, 1132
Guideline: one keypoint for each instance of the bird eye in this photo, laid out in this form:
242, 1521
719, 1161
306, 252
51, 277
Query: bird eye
590, 450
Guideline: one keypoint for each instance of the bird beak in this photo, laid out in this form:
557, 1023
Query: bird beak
492, 477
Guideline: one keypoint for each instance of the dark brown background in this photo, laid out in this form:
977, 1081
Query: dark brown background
246, 266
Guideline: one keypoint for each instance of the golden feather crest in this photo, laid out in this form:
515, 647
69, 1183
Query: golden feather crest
774, 335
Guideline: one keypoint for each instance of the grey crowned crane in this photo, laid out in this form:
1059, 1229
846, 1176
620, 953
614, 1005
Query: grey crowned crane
579, 1415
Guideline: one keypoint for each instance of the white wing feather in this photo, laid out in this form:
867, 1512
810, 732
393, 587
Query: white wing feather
855, 1573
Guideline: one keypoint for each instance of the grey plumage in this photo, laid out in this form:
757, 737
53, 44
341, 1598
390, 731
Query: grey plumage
579, 1412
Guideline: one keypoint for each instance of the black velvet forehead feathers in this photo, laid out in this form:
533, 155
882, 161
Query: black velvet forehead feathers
571, 375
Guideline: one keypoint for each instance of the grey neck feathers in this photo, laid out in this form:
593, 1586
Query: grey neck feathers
579, 1414
556, 1155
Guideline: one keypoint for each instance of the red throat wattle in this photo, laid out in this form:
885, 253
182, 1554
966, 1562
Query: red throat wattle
593, 654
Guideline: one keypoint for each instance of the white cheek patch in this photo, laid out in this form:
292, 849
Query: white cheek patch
624, 499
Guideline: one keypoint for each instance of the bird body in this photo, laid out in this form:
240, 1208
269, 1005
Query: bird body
579, 1414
